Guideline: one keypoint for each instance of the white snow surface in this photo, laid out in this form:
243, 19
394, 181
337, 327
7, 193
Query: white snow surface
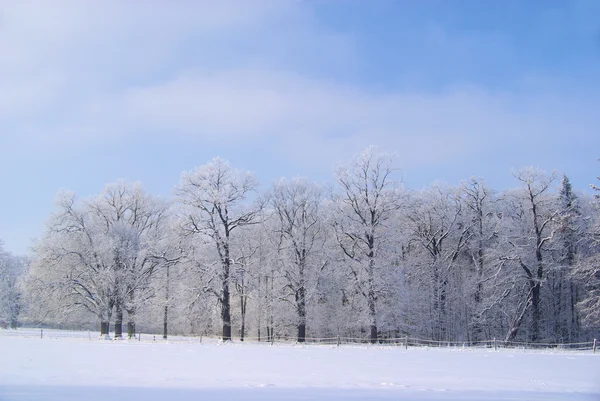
80, 369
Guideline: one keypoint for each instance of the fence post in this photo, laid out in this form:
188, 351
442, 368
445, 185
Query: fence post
338, 340
495, 346
406, 342
594, 345
41, 333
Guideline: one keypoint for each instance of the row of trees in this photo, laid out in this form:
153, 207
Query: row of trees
12, 269
364, 259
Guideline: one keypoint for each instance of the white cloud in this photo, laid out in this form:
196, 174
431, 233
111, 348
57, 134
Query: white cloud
67, 47
245, 105
91, 71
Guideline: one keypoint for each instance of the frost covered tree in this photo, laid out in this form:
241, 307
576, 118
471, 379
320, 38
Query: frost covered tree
533, 215
586, 271
212, 199
367, 199
445, 263
100, 254
564, 291
439, 234
481, 214
136, 225
248, 249
71, 269
300, 236
12, 269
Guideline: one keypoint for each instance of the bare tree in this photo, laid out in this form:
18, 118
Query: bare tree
586, 271
438, 227
481, 214
368, 198
296, 205
534, 213
101, 254
72, 269
212, 197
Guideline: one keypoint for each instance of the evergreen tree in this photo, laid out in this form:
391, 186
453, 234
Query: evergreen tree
565, 291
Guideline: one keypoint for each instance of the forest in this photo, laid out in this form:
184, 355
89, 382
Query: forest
362, 257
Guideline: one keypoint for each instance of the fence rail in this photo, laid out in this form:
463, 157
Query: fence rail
405, 341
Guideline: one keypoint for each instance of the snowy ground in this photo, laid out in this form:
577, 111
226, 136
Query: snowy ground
80, 369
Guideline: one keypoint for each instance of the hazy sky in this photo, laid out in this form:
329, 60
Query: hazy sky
95, 91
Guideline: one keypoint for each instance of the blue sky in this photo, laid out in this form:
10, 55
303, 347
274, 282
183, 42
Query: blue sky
95, 91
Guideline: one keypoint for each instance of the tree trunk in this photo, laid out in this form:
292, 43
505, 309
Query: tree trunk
436, 317
130, 329
226, 309
535, 299
302, 332
104, 328
166, 314
535, 308
372, 298
243, 305
131, 323
443, 320
13, 323
301, 307
259, 314
119, 323
516, 324
478, 329
165, 325
270, 314
536, 293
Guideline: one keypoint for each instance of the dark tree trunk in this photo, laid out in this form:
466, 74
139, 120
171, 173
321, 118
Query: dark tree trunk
131, 323
13, 323
477, 327
371, 296
373, 317
436, 315
104, 328
539, 274
243, 305
535, 308
165, 322
516, 324
118, 329
226, 309
301, 333
536, 292
373, 334
443, 320
119, 323
130, 329
166, 314
301, 307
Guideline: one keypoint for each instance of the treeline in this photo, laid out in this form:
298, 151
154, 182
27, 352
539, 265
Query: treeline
365, 258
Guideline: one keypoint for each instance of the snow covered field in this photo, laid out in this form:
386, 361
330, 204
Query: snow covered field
80, 369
